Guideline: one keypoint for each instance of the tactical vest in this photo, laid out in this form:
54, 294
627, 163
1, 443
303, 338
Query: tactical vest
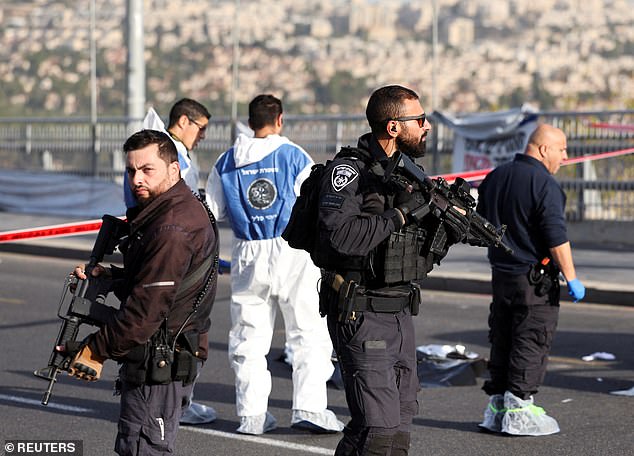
403, 261
396, 260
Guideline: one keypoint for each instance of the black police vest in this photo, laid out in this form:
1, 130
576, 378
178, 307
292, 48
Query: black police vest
397, 259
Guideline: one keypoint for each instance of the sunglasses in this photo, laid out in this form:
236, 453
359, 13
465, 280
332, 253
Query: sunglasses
201, 128
421, 119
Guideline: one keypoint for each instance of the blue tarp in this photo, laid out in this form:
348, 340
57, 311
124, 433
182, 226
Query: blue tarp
44, 193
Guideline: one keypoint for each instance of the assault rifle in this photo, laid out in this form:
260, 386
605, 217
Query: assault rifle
83, 301
439, 197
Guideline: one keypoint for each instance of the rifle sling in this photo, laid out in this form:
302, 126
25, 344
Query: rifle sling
194, 277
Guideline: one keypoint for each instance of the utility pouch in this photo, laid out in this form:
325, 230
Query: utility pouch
185, 367
327, 296
329, 289
542, 276
161, 358
383, 300
160, 364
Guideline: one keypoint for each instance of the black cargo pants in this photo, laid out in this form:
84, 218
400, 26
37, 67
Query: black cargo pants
521, 330
377, 355
149, 416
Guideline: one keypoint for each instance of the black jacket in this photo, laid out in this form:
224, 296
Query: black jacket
355, 215
525, 197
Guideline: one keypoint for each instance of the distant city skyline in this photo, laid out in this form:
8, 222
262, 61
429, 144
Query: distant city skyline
324, 56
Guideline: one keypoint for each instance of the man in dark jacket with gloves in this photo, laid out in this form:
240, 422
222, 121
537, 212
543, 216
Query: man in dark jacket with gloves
167, 288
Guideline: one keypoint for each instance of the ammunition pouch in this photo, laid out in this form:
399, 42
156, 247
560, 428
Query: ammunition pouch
403, 260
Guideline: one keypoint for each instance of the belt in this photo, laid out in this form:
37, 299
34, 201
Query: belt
362, 300
380, 305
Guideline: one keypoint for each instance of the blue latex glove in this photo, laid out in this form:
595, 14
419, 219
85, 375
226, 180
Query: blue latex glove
576, 289
224, 266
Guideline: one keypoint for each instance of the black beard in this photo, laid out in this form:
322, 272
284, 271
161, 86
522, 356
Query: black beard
416, 150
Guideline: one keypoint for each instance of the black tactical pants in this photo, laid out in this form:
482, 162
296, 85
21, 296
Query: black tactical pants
377, 354
149, 416
521, 330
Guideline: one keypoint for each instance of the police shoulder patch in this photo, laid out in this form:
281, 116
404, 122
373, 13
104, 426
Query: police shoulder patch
342, 175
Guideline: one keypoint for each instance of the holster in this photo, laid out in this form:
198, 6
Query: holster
543, 276
350, 298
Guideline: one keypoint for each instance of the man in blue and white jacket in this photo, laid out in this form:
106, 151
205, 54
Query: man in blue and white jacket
254, 185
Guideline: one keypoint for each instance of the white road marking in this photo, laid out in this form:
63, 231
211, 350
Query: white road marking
53, 405
261, 440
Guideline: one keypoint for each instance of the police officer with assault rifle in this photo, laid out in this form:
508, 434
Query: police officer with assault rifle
382, 225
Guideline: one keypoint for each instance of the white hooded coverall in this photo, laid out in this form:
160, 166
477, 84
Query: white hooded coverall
254, 185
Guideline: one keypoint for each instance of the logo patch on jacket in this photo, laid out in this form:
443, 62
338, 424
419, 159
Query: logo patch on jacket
342, 175
261, 194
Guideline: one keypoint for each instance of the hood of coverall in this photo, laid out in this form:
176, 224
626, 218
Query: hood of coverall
247, 150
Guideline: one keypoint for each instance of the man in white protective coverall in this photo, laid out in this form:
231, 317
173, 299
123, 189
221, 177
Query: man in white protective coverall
188, 120
254, 185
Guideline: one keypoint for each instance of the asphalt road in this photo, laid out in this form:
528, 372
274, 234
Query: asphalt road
593, 422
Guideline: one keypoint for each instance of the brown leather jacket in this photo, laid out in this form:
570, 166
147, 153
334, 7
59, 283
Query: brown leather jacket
169, 239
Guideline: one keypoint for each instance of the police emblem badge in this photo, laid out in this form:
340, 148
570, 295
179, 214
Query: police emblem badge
342, 175
261, 194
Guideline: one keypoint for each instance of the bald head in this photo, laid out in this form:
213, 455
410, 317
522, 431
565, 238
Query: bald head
548, 145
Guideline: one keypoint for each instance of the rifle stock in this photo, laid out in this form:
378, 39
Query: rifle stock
83, 302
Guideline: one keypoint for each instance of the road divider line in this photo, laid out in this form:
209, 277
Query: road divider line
51, 405
261, 440
11, 301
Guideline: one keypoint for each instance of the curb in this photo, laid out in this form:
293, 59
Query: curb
596, 293
463, 283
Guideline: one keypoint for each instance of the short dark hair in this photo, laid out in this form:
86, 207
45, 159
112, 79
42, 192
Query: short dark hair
166, 148
188, 107
385, 104
264, 110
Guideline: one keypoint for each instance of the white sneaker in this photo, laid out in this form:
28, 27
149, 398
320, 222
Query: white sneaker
493, 414
256, 425
522, 417
198, 413
325, 422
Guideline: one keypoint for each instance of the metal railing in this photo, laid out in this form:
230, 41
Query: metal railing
603, 190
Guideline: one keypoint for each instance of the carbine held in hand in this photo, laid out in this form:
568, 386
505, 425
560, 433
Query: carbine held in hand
442, 196
84, 301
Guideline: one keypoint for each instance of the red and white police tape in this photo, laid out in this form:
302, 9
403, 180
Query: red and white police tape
65, 229
92, 226
479, 174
